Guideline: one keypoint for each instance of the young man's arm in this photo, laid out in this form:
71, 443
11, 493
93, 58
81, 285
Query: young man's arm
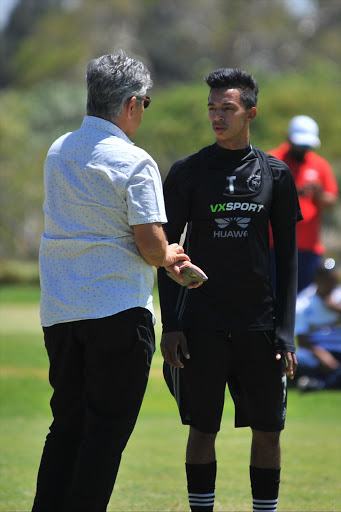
172, 295
284, 215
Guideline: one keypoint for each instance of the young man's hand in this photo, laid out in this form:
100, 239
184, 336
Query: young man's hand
170, 342
291, 363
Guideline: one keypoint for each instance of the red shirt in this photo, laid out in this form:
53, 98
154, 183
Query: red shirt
312, 169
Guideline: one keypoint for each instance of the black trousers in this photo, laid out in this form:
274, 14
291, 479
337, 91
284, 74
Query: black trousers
99, 371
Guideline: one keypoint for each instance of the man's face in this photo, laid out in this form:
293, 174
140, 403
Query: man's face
136, 118
229, 118
298, 152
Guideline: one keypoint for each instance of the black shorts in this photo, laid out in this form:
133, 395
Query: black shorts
246, 362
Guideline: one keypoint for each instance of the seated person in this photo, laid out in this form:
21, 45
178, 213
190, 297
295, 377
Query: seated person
318, 331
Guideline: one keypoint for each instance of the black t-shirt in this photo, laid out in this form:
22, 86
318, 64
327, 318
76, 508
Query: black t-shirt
227, 198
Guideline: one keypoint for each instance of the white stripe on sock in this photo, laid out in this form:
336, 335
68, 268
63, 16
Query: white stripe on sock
275, 500
265, 505
198, 504
201, 500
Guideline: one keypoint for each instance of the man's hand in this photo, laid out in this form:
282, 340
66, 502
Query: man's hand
154, 248
311, 189
176, 270
170, 341
323, 198
174, 254
291, 363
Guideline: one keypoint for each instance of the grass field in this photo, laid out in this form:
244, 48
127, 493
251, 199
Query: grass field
151, 477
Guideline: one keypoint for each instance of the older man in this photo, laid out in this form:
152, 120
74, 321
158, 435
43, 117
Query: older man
103, 235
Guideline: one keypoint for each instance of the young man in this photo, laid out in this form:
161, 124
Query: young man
317, 189
231, 330
103, 235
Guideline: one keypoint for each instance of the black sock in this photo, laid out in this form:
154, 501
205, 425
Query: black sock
201, 485
265, 488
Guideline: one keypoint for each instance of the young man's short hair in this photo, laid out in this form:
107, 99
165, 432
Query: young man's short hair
229, 78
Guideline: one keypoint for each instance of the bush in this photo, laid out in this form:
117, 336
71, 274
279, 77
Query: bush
19, 272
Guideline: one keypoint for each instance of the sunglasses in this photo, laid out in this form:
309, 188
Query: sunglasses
146, 101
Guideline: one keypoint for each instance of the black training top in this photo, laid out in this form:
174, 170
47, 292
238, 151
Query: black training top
228, 197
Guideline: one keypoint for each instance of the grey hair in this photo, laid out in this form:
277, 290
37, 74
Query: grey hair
111, 80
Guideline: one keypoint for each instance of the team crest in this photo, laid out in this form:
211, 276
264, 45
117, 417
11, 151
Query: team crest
254, 182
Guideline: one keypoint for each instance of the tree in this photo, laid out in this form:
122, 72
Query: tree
178, 40
47, 44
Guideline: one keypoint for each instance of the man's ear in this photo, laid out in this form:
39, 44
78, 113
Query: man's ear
127, 118
252, 113
130, 105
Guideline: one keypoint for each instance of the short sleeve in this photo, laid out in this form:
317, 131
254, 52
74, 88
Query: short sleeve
144, 195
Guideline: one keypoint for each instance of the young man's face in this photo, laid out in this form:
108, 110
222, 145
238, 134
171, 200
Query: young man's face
229, 118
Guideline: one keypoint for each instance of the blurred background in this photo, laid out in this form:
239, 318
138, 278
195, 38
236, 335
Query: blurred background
293, 47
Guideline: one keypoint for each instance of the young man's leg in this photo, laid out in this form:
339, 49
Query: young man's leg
199, 389
265, 470
201, 469
258, 388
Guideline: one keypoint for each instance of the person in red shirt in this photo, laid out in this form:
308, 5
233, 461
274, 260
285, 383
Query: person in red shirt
317, 190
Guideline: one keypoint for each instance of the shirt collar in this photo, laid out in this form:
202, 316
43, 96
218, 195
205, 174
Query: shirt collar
107, 126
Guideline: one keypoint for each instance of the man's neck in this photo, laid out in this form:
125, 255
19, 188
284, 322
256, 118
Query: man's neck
234, 146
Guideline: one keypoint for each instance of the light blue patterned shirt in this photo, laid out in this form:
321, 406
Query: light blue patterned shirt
98, 185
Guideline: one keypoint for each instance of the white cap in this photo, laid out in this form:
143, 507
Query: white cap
303, 131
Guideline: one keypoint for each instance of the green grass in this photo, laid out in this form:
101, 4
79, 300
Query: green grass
152, 476
19, 294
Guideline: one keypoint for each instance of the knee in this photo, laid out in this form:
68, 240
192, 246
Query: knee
200, 447
266, 439
200, 442
68, 424
201, 438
